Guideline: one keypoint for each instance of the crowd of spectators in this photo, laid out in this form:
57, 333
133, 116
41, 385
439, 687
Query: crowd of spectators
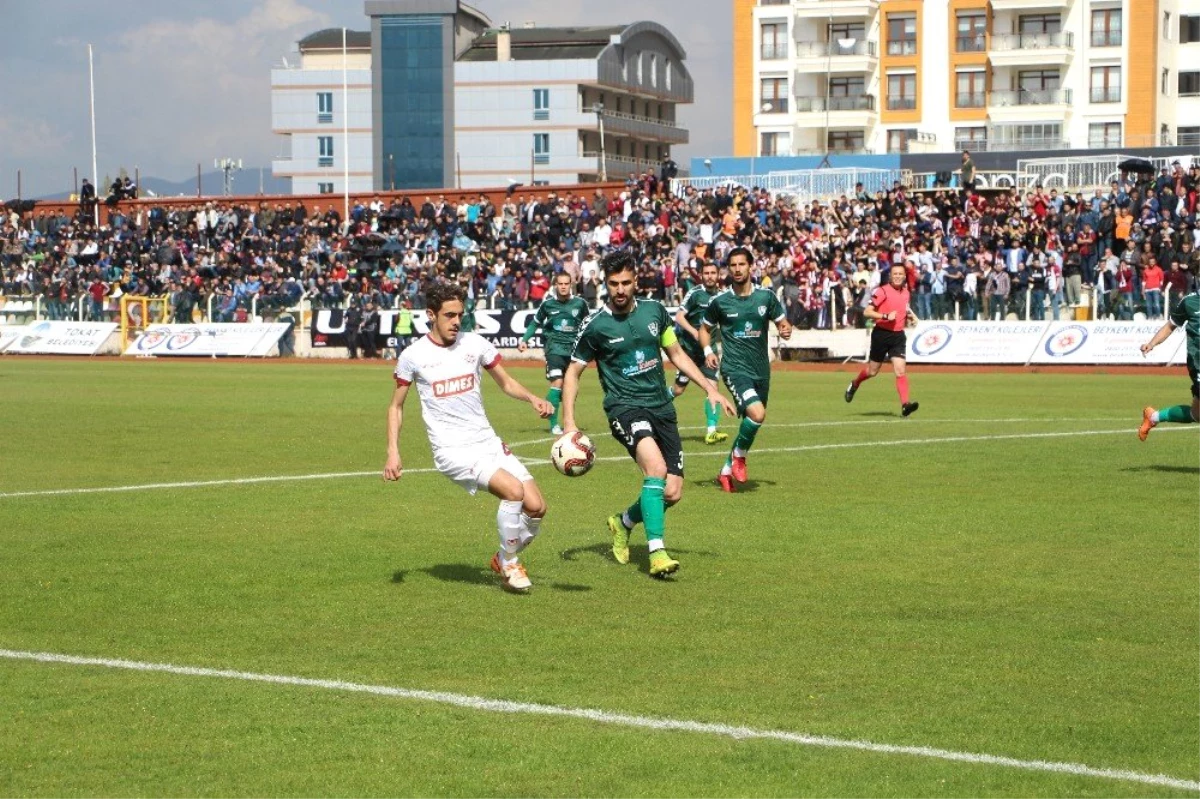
970, 255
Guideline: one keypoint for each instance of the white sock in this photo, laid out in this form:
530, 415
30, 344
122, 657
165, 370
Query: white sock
530, 527
727, 469
1154, 418
655, 544
712, 429
738, 452
508, 526
626, 522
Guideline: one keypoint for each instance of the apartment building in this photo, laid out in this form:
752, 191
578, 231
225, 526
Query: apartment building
436, 96
896, 76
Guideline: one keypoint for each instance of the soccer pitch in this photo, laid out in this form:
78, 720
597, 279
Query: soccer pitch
995, 597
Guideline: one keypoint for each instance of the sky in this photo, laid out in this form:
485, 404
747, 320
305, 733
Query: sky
183, 82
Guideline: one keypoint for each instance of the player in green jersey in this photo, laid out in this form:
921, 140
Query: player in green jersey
742, 313
687, 324
559, 316
626, 339
1185, 315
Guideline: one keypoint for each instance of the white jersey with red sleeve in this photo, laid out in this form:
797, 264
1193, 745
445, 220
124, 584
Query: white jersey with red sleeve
447, 380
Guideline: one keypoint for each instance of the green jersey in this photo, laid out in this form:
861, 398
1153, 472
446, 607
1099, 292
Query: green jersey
628, 353
559, 322
1187, 316
743, 324
468, 318
694, 305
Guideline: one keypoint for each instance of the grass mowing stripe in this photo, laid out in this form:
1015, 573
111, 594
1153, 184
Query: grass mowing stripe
618, 719
540, 462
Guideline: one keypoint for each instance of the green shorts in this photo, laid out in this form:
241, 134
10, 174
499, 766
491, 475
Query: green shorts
746, 390
631, 425
556, 366
693, 351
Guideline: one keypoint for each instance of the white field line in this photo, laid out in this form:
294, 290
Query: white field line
544, 462
617, 719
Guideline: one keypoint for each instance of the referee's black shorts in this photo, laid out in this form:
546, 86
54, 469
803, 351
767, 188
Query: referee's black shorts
888, 344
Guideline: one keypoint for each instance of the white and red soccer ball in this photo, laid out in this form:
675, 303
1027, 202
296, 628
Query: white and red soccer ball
573, 454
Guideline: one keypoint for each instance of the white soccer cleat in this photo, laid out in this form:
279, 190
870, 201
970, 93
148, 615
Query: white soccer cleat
513, 576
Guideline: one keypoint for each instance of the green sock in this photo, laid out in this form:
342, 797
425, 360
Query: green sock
652, 507
745, 436
1180, 414
712, 414
634, 514
554, 398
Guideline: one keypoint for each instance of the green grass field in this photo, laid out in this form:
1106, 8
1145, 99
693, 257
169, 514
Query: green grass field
1008, 573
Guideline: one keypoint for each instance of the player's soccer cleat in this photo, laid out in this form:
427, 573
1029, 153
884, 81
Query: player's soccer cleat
726, 483
512, 577
716, 437
1147, 423
850, 391
662, 564
739, 468
620, 545
909, 408
556, 431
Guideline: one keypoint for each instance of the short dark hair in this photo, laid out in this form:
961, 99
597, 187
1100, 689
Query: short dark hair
740, 251
618, 261
441, 293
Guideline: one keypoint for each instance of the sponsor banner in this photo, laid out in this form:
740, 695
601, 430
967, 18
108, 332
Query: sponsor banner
502, 328
209, 340
974, 342
61, 338
9, 334
1107, 342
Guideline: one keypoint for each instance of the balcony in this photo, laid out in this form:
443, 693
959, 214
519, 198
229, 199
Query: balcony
861, 56
855, 111
1028, 106
902, 47
969, 100
1110, 38
901, 103
970, 44
1031, 49
640, 127
1105, 94
836, 8
1031, 5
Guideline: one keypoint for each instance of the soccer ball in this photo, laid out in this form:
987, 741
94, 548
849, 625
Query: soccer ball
573, 454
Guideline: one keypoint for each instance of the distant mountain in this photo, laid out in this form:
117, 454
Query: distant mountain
212, 183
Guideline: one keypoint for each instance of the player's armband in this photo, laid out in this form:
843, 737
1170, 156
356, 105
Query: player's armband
668, 336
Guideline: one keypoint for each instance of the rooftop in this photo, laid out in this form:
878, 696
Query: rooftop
331, 39
545, 44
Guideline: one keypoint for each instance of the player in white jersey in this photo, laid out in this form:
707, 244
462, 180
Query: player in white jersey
446, 367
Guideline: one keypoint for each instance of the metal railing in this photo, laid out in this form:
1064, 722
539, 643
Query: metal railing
835, 49
970, 44
1033, 41
970, 100
855, 102
902, 47
901, 103
1106, 94
1019, 97
803, 185
1106, 38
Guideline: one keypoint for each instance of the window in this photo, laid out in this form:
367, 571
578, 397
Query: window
901, 34
853, 34
1106, 27
625, 67
971, 36
1189, 84
897, 140
775, 144
847, 87
1036, 135
1037, 86
667, 72
844, 140
541, 104
1104, 134
324, 107
773, 41
773, 95
901, 91
653, 71
1106, 84
640, 58
1187, 136
1189, 30
1166, 83
324, 151
970, 89
1039, 23
324, 188
970, 138
541, 148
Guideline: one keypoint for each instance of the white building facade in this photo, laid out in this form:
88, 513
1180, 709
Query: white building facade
883, 76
